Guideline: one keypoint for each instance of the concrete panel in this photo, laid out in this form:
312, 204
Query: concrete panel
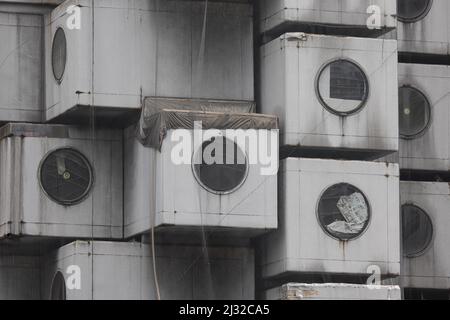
160, 193
21, 66
301, 245
26, 208
290, 67
37, 2
115, 271
333, 291
431, 269
429, 35
431, 149
19, 277
141, 48
347, 14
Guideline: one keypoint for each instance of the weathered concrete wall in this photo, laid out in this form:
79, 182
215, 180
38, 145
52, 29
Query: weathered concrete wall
35, 2
19, 277
333, 291
21, 67
289, 70
302, 246
151, 48
27, 210
124, 271
431, 149
160, 192
431, 269
428, 35
342, 12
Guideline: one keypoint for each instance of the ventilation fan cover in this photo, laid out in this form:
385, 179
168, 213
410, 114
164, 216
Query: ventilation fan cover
66, 176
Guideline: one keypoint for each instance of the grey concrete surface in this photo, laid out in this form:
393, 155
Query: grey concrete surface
289, 69
128, 50
431, 149
301, 246
160, 193
345, 14
25, 208
430, 35
114, 271
333, 291
431, 268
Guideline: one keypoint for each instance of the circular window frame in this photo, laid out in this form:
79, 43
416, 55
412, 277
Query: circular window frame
369, 209
59, 274
417, 18
59, 80
88, 189
195, 156
429, 244
322, 101
430, 120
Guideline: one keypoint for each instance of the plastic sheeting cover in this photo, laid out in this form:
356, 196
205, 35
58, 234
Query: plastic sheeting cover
160, 115
354, 210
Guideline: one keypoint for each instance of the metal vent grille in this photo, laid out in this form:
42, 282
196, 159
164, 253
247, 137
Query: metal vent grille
343, 212
66, 176
414, 112
221, 166
59, 54
413, 10
417, 230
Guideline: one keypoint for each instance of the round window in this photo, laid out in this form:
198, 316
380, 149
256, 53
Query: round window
58, 291
220, 166
412, 10
414, 112
343, 212
342, 87
417, 230
59, 54
66, 176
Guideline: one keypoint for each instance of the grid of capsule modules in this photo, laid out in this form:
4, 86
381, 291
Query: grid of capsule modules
244, 149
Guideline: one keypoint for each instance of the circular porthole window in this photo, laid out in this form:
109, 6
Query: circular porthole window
59, 54
414, 112
220, 166
58, 291
342, 87
413, 10
66, 176
417, 230
343, 212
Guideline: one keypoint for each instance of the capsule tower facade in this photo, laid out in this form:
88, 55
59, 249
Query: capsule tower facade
226, 149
